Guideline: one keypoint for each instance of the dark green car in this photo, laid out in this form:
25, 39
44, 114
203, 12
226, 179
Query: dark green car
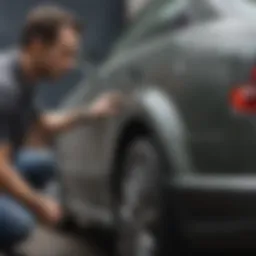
176, 171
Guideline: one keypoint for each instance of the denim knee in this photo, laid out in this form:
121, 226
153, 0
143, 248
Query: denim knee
38, 166
16, 223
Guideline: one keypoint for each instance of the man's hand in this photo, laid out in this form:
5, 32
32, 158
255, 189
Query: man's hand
109, 104
12, 183
48, 211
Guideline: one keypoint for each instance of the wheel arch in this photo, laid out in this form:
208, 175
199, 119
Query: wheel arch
156, 116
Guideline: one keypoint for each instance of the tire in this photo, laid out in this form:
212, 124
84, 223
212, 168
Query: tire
138, 207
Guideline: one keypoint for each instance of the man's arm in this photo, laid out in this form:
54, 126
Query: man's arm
107, 105
11, 182
57, 122
52, 123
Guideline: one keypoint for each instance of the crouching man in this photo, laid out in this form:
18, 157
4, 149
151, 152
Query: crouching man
48, 47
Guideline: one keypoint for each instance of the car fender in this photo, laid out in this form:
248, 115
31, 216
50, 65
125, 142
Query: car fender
161, 115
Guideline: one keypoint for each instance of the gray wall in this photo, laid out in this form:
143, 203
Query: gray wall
104, 20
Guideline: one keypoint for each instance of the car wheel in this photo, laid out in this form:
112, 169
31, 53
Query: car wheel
138, 208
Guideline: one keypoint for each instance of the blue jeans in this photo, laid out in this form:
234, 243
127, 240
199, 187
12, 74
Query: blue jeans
16, 222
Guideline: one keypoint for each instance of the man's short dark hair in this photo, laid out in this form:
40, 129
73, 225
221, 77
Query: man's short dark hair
45, 22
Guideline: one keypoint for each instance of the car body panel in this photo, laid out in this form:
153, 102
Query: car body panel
179, 83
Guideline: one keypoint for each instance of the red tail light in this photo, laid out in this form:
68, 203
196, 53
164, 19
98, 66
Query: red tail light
243, 98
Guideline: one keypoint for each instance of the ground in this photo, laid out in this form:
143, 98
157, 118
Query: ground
45, 242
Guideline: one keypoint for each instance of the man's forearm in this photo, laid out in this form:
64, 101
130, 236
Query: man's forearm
107, 105
59, 122
12, 183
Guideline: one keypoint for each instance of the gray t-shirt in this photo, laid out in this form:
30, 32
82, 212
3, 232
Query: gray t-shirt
17, 109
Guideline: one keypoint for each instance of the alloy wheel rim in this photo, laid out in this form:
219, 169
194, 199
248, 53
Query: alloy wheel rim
139, 211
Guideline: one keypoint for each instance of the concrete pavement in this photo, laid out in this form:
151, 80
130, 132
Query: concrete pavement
45, 242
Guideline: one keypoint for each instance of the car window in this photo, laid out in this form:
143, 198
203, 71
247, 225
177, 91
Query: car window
159, 17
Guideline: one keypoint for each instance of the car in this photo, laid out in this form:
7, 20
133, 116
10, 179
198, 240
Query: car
175, 171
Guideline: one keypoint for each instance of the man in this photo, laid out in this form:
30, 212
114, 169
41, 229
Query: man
48, 47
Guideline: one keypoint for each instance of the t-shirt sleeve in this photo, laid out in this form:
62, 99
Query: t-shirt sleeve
36, 111
4, 128
5, 115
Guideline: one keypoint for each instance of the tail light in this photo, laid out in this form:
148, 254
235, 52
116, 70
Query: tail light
243, 97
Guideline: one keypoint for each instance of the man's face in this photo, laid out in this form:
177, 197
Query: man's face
55, 60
